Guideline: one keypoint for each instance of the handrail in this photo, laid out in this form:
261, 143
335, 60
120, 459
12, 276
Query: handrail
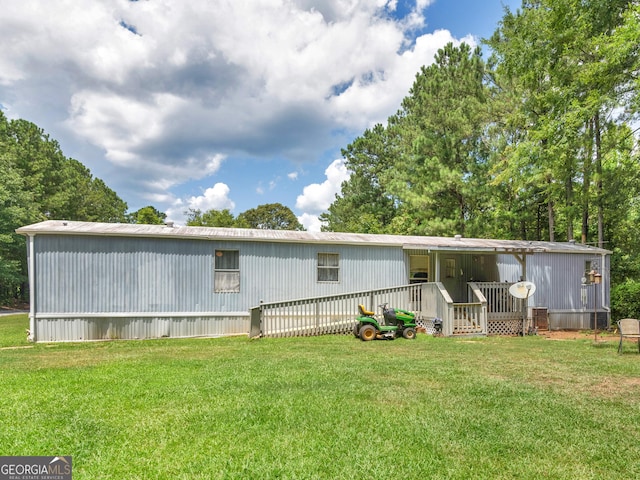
477, 293
332, 313
501, 305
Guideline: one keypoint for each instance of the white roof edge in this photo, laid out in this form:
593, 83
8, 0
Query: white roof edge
63, 227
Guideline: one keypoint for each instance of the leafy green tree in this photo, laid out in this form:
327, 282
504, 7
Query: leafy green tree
424, 173
148, 215
210, 218
625, 300
439, 181
104, 204
272, 216
576, 68
39, 182
571, 62
536, 145
15, 211
364, 204
87, 198
61, 188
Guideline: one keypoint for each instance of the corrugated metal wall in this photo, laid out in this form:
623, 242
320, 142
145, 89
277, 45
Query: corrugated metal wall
557, 278
110, 275
59, 328
101, 274
283, 271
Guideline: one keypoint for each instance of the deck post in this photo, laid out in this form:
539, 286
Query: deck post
256, 322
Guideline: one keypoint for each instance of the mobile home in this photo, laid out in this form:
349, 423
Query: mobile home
91, 281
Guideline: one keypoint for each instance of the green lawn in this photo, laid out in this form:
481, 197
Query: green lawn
13, 330
324, 407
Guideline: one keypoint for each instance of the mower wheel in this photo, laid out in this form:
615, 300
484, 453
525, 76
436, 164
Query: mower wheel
409, 333
356, 329
367, 332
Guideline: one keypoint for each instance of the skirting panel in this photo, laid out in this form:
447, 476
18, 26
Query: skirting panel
577, 320
75, 329
504, 327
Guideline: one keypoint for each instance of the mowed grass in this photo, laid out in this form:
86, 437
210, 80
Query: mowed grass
13, 330
325, 407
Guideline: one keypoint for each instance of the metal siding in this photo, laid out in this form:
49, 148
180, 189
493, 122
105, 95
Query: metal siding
557, 277
572, 320
558, 281
554, 275
509, 269
61, 329
84, 275
278, 272
99, 274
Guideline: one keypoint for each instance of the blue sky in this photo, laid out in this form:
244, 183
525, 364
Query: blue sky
209, 104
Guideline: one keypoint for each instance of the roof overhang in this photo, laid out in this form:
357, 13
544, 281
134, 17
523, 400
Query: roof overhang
452, 244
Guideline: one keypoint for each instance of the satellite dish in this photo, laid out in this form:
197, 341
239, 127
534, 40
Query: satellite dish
522, 289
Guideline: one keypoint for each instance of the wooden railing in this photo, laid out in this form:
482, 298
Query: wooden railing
501, 305
331, 314
338, 313
470, 318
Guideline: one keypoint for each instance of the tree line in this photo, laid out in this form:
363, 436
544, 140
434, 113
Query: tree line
539, 142
39, 183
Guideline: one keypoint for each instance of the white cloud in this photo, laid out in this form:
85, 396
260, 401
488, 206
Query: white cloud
122, 125
310, 222
215, 197
165, 90
292, 176
163, 199
372, 98
317, 197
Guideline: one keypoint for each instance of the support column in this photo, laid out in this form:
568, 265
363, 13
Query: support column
32, 288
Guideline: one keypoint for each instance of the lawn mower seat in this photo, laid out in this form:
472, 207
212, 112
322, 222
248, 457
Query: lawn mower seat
364, 311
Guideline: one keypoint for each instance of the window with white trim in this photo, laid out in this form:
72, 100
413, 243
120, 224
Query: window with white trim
418, 268
226, 276
328, 267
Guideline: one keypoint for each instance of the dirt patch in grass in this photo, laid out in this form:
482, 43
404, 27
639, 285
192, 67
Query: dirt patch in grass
610, 387
579, 335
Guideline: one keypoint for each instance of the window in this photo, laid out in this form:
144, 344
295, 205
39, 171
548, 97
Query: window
328, 267
450, 267
587, 269
418, 268
226, 271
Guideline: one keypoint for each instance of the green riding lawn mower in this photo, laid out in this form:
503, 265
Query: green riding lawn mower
396, 323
